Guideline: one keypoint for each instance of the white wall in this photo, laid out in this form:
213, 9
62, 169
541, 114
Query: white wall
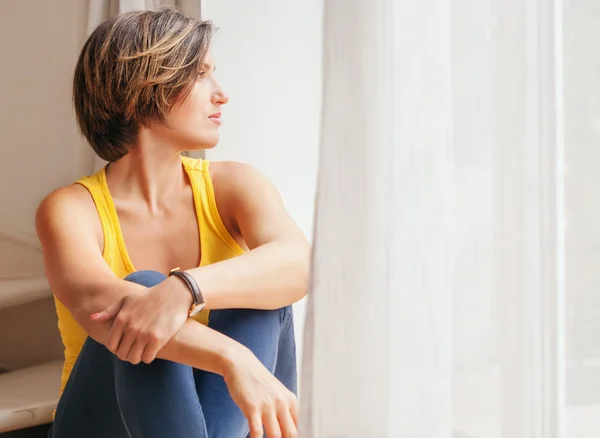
268, 57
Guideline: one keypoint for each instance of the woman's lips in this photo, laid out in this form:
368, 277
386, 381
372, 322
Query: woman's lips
216, 118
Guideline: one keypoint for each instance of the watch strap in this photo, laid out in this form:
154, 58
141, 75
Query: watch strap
198, 299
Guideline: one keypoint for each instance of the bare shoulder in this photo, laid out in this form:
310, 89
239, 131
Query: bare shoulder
237, 184
241, 191
67, 201
70, 232
67, 209
233, 175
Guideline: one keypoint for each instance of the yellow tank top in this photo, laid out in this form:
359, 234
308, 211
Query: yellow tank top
217, 245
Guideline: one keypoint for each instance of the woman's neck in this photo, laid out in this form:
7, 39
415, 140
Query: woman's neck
151, 173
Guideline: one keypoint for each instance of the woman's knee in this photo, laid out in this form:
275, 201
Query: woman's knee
146, 278
287, 313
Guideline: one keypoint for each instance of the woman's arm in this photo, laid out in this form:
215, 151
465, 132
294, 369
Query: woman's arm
71, 235
274, 273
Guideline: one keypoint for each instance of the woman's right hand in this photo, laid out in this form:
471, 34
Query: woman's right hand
263, 399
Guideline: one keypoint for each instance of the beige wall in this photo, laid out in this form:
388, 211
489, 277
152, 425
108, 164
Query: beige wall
40, 150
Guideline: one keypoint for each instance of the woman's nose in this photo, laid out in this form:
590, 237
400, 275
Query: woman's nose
219, 96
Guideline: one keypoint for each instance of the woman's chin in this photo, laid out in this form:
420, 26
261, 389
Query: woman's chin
203, 145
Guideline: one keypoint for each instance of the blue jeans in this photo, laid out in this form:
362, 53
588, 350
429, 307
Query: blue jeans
106, 397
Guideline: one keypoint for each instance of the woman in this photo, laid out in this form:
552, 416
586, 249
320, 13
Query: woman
140, 252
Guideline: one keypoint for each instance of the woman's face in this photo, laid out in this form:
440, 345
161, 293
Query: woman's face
194, 123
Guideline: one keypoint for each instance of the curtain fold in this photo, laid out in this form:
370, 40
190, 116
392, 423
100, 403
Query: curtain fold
377, 358
436, 304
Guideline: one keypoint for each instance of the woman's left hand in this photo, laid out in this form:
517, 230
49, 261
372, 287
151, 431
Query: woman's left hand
142, 323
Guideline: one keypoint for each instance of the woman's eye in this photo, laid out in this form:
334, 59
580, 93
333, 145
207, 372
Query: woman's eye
201, 74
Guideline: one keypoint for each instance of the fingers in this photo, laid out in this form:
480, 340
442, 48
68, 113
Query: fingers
287, 424
116, 330
272, 429
114, 336
255, 422
131, 335
280, 424
136, 333
121, 336
109, 313
294, 410
134, 354
151, 350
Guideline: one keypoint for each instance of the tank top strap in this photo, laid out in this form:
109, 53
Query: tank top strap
94, 185
209, 218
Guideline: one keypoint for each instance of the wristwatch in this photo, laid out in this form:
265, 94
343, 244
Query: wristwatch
197, 298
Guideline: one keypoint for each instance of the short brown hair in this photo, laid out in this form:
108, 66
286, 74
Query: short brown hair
131, 71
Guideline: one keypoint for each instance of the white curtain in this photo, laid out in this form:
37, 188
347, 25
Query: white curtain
455, 262
581, 61
378, 330
100, 10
